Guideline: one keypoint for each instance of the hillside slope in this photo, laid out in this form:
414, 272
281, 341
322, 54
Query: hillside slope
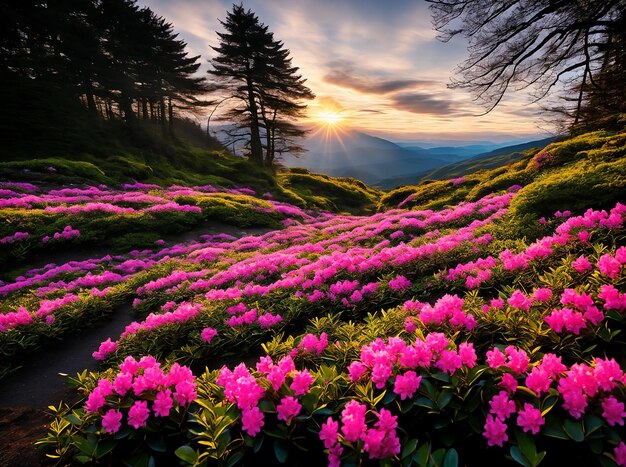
576, 173
489, 160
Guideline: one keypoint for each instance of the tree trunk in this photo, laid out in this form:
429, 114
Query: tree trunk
127, 108
91, 102
256, 149
170, 112
162, 110
144, 108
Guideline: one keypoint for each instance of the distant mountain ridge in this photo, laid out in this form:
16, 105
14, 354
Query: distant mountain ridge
488, 160
351, 153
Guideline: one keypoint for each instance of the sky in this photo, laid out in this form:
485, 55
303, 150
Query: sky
374, 65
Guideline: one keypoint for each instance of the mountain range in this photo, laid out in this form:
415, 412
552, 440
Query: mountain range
377, 161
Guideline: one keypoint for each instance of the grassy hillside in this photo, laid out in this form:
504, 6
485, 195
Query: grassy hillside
579, 172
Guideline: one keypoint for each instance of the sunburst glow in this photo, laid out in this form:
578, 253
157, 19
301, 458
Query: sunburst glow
330, 117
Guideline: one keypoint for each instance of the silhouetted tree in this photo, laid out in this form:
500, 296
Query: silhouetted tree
534, 45
253, 72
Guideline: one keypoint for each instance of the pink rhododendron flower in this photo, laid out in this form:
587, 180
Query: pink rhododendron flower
208, 334
329, 433
163, 403
581, 264
467, 354
407, 384
620, 454
495, 431
399, 284
538, 380
542, 295
106, 348
353, 420
495, 358
517, 359
529, 419
288, 409
138, 414
609, 266
613, 411
501, 406
252, 420
519, 300
301, 382
409, 325
112, 421
509, 383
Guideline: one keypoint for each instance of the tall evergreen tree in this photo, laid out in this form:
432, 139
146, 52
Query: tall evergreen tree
253, 71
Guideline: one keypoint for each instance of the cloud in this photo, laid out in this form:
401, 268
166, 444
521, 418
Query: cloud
345, 74
371, 111
422, 104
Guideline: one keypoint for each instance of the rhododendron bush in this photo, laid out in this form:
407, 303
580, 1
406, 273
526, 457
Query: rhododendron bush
406, 337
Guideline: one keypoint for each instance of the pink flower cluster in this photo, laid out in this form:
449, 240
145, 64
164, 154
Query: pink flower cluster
311, 343
245, 390
574, 317
448, 308
399, 284
145, 384
577, 385
107, 347
611, 266
382, 361
16, 237
183, 312
67, 233
380, 441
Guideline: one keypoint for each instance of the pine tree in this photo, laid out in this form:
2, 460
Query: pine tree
254, 73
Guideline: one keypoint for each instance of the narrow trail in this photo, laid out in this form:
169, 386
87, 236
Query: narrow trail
26, 393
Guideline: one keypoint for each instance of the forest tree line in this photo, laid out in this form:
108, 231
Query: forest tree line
121, 60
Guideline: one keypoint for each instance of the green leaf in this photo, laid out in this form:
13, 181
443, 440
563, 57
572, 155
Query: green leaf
82, 444
518, 457
73, 419
574, 430
157, 445
425, 402
422, 454
409, 448
526, 445
451, 459
236, 457
554, 430
592, 423
187, 453
267, 406
281, 451
104, 447
438, 455
258, 443
444, 399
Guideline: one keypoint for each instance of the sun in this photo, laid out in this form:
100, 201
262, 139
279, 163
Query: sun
329, 117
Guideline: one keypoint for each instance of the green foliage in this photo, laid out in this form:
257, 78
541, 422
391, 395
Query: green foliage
575, 187
63, 168
323, 191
